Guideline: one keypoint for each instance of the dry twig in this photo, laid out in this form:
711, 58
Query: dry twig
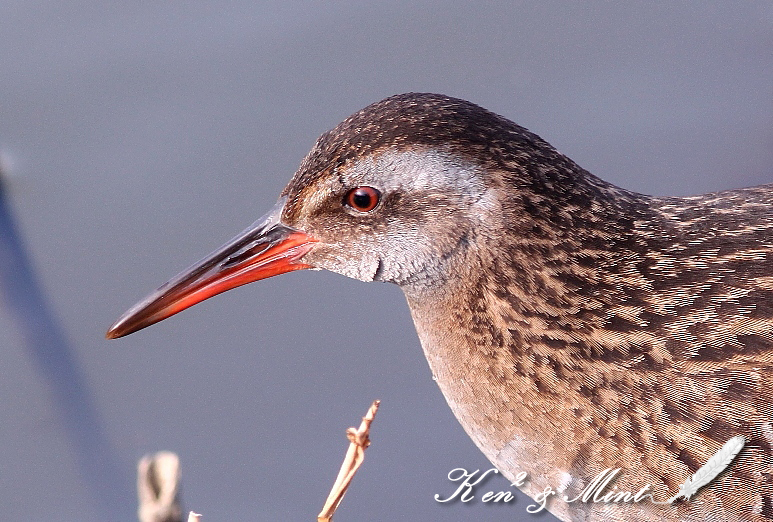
359, 440
158, 488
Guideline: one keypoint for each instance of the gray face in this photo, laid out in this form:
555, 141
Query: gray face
432, 203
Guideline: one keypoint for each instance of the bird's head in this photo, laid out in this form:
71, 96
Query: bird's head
397, 192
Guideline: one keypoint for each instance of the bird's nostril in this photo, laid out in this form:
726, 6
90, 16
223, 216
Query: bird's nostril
246, 254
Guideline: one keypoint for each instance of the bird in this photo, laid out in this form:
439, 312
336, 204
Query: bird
572, 326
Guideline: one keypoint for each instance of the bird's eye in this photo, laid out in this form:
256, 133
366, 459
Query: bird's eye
362, 199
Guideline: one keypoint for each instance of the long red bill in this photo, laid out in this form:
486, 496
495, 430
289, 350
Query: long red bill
266, 249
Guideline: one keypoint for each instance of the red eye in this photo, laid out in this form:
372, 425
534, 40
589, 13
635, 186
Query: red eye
363, 199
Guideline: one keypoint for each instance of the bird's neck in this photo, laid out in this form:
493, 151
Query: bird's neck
514, 337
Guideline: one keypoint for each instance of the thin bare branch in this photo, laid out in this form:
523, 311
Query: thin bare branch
359, 440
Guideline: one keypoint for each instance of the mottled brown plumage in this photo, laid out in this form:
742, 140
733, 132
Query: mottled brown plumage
572, 325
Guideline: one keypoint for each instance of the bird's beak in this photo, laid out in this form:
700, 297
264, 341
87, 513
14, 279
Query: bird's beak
265, 249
